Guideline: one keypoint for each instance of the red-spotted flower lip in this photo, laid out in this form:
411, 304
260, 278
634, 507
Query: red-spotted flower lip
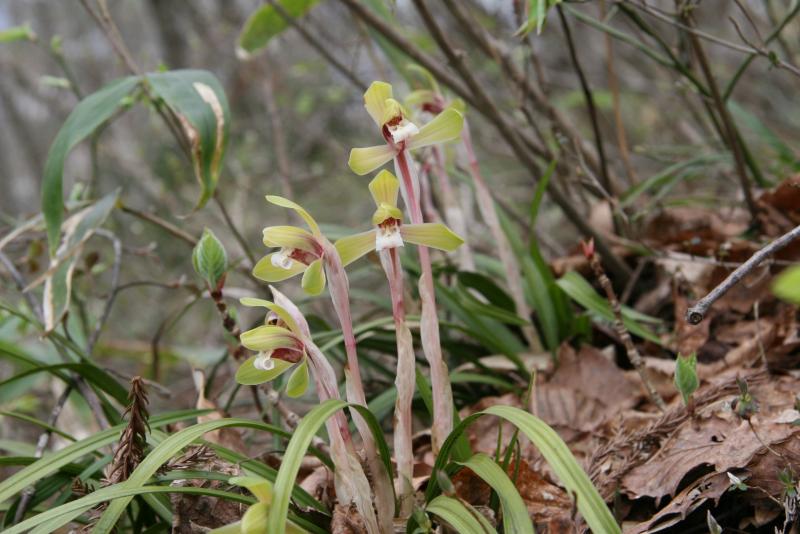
303, 256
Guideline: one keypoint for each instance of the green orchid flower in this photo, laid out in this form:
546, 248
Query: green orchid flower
280, 346
255, 517
389, 231
398, 131
300, 251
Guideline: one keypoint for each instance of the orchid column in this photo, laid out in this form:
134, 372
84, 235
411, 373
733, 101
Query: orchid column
401, 135
390, 234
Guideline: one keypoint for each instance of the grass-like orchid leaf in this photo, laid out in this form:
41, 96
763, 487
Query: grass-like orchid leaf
556, 454
52, 462
459, 515
515, 515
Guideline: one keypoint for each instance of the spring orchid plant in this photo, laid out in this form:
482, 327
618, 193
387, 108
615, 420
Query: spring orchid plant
401, 135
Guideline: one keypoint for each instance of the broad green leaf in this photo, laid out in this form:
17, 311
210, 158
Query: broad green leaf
515, 515
54, 461
87, 116
266, 22
459, 515
199, 101
787, 285
17, 33
556, 454
165, 450
686, 380
584, 294
209, 259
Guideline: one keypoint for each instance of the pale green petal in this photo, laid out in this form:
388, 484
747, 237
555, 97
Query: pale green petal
432, 235
365, 160
314, 278
375, 100
289, 237
255, 518
279, 310
298, 382
446, 126
248, 375
286, 203
261, 488
264, 270
267, 338
353, 247
384, 188
392, 109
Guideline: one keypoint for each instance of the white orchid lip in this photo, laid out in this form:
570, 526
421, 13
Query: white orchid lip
281, 259
388, 236
403, 131
264, 361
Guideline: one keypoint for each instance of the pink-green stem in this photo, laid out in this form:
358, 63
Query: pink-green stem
404, 382
507, 258
429, 326
340, 297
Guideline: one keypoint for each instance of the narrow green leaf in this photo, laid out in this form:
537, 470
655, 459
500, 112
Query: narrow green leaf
459, 515
266, 22
163, 452
556, 454
686, 380
515, 515
87, 116
584, 294
52, 462
296, 451
199, 101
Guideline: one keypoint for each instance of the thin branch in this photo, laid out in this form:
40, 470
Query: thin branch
697, 313
587, 95
321, 49
163, 224
117, 244
41, 446
234, 230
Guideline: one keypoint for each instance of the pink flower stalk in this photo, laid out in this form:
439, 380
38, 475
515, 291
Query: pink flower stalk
402, 135
389, 234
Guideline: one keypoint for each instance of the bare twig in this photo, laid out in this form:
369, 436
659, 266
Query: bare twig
158, 221
41, 445
731, 134
234, 230
696, 313
587, 94
321, 49
619, 325
117, 244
